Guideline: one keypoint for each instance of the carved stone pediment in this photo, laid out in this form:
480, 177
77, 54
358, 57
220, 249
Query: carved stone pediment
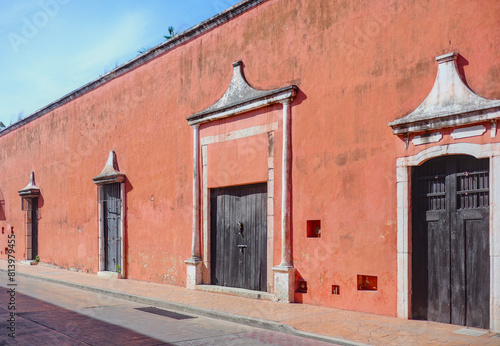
31, 190
240, 97
449, 104
110, 173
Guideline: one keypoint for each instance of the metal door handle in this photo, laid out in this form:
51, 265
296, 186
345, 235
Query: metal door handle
241, 247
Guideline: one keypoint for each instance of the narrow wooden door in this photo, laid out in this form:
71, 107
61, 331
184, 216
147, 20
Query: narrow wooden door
34, 227
450, 241
112, 215
239, 236
31, 207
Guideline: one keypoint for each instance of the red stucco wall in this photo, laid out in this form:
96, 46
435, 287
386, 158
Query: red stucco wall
358, 65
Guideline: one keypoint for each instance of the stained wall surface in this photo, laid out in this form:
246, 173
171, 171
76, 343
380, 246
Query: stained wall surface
358, 65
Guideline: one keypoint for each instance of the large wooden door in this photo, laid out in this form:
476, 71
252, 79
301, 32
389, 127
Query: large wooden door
112, 215
239, 236
450, 241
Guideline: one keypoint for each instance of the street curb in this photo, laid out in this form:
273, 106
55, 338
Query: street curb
240, 319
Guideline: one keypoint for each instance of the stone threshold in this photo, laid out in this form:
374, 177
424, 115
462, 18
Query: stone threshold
241, 292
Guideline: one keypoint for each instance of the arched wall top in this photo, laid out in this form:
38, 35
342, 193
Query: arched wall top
479, 151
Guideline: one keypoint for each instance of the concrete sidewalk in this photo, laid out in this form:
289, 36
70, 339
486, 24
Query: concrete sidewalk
321, 323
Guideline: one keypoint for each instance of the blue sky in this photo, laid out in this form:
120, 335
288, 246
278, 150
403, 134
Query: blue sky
49, 48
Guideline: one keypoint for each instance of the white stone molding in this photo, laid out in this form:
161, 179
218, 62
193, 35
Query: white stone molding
109, 175
30, 190
428, 138
404, 165
194, 269
449, 104
123, 194
240, 98
243, 133
284, 274
471, 131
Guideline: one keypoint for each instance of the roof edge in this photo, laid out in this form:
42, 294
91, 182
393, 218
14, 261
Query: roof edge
141, 59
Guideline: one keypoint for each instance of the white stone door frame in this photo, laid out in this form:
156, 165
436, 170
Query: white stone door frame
109, 175
404, 222
206, 229
241, 98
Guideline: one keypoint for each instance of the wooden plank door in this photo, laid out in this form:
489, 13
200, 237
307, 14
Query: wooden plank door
34, 227
450, 241
112, 215
239, 236
31, 207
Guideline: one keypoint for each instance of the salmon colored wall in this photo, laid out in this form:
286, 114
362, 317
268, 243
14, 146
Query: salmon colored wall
358, 65
237, 162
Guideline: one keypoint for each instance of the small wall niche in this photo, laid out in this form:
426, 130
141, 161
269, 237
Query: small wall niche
313, 228
367, 283
335, 289
302, 286
12, 230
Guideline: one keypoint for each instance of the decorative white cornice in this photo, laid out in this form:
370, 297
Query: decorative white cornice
449, 104
110, 173
31, 190
240, 97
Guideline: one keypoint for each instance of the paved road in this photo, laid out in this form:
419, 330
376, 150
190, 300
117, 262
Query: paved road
51, 314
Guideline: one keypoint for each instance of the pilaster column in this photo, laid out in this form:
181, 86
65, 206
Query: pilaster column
284, 274
286, 251
194, 262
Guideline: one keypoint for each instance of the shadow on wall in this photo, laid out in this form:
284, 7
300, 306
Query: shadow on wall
2, 207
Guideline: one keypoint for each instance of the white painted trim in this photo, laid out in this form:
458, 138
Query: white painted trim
471, 131
102, 265
449, 104
205, 215
404, 164
425, 139
195, 246
241, 97
123, 195
286, 250
247, 107
238, 134
233, 135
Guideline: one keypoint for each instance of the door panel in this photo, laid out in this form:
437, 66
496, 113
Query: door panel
477, 273
34, 228
111, 217
439, 272
239, 236
450, 241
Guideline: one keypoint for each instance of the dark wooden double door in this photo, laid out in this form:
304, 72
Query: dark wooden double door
239, 236
450, 241
111, 205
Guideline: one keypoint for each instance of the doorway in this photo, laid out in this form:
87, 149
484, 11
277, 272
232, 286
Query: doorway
238, 220
450, 241
31, 207
111, 206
